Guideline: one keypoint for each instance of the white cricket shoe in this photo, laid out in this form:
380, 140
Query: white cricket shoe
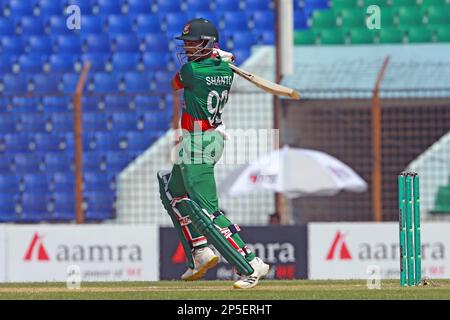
261, 270
204, 260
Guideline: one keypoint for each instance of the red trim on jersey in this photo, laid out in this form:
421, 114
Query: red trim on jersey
176, 82
188, 121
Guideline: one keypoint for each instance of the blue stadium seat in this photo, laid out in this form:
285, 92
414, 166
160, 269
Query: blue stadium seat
88, 138
35, 182
108, 141
12, 44
144, 103
9, 184
57, 25
50, 7
69, 82
57, 162
31, 63
155, 121
26, 163
114, 103
263, 20
96, 43
95, 181
315, 4
136, 82
53, 104
30, 26
124, 121
147, 24
300, 20
241, 55
63, 182
155, 61
7, 124
49, 142
136, 7
91, 103
26, 104
6, 62
174, 22
61, 122
267, 37
95, 121
155, 43
125, 43
15, 84
61, 63
125, 61
119, 24
7, 208
138, 141
227, 5
98, 60
39, 44
32, 122
68, 44
166, 6
63, 206
93, 161
195, 5
85, 5
100, 205
91, 24
256, 5
45, 83
18, 8
105, 82
7, 27
116, 161
34, 207
234, 21
106, 7
161, 82
243, 40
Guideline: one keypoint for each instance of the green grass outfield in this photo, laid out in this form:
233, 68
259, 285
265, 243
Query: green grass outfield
266, 290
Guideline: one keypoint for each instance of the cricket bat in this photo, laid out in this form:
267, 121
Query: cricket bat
266, 85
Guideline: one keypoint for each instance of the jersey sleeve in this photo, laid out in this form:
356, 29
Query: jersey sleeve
186, 76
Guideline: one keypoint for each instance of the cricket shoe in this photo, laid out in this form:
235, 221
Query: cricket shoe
204, 260
260, 271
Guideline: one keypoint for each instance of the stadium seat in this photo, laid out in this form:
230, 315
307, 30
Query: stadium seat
68, 44
234, 21
312, 5
12, 45
195, 5
125, 43
166, 6
98, 60
438, 15
59, 103
49, 142
136, 7
174, 22
136, 82
419, 34
9, 184
32, 122
108, 141
125, 61
362, 36
391, 35
243, 40
63, 206
18, 8
99, 205
96, 43
69, 82
380, 3
7, 124
45, 84
157, 61
410, 16
263, 20
116, 161
443, 34
324, 19
31, 63
35, 182
399, 3
106, 7
147, 24
93, 161
30, 26
61, 63
433, 2
155, 43
227, 5
39, 44
6, 63
257, 5
95, 182
34, 207
57, 162
7, 27
7, 208
17, 143
95, 121
161, 82
105, 82
91, 25
57, 25
343, 4
332, 36
85, 5
50, 8
352, 18
266, 38
15, 84
61, 122
88, 140
63, 182
124, 121
119, 24
27, 163
388, 17
138, 141
115, 103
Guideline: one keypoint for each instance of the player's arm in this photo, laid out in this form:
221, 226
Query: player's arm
176, 82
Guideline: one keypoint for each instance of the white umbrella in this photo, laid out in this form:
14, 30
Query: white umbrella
294, 172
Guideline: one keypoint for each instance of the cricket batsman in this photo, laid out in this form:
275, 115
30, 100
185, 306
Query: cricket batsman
188, 192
